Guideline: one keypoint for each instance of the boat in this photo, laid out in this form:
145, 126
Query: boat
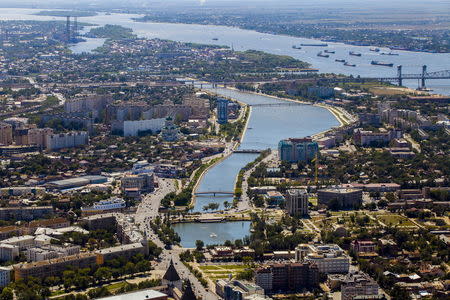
213, 235
424, 89
381, 63
330, 51
375, 49
215, 39
389, 53
340, 60
296, 47
349, 64
315, 45
322, 55
354, 53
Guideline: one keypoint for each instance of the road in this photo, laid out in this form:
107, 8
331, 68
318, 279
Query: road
184, 273
147, 210
244, 202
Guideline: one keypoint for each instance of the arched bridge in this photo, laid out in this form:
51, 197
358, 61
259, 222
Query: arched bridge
214, 193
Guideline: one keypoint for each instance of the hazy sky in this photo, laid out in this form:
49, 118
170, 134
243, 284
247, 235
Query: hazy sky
444, 5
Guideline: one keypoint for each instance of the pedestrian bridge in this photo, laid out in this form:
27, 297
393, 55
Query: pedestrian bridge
214, 193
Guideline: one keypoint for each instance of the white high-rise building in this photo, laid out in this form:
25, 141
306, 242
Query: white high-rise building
66, 140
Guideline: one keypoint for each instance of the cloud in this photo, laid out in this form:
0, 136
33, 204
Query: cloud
202, 2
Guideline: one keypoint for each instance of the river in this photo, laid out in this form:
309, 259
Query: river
277, 44
267, 125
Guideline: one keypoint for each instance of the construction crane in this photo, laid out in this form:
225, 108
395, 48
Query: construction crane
316, 169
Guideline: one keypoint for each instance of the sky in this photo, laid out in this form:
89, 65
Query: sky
444, 5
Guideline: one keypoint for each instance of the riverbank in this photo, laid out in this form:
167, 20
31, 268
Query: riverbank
339, 113
235, 145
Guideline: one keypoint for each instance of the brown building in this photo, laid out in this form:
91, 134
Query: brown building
53, 267
288, 277
6, 134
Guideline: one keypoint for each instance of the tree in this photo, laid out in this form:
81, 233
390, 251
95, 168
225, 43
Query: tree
7, 294
102, 273
199, 244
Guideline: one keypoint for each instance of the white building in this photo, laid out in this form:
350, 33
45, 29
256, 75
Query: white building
105, 206
51, 251
8, 252
358, 284
132, 128
297, 202
23, 242
66, 140
328, 258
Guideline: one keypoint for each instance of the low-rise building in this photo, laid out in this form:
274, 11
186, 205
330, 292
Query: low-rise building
25, 213
8, 252
51, 251
237, 290
127, 251
363, 246
328, 258
104, 206
23, 242
144, 182
75, 182
357, 284
53, 267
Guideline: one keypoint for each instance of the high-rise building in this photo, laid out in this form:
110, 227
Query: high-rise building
297, 202
6, 133
66, 140
297, 150
288, 277
222, 110
38, 136
170, 132
338, 198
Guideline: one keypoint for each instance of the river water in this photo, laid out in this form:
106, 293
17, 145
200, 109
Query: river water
277, 44
267, 125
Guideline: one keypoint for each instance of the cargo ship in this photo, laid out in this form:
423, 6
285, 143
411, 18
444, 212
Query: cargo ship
315, 45
320, 54
349, 64
340, 60
354, 53
381, 63
329, 51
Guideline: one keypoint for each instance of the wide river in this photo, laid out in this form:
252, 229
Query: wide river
268, 124
277, 44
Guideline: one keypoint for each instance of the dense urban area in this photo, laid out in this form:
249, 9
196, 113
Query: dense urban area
103, 155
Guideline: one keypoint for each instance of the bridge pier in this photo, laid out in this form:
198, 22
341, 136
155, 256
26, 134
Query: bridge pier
399, 74
424, 72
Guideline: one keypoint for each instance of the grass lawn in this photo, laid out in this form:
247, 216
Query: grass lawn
214, 272
395, 220
115, 286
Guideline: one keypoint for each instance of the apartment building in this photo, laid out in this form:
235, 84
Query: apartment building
297, 202
67, 140
298, 150
328, 258
358, 284
53, 267
6, 133
340, 198
287, 277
